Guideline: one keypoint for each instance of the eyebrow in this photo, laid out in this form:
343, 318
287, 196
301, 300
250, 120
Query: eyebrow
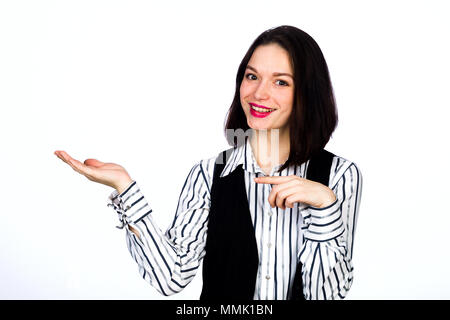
275, 73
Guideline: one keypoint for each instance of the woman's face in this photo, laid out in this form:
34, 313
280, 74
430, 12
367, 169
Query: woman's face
267, 89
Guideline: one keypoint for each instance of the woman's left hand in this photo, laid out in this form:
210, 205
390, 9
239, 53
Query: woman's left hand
290, 189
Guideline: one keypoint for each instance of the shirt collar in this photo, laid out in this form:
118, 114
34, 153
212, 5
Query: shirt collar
243, 155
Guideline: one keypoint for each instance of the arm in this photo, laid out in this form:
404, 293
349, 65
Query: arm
168, 261
329, 232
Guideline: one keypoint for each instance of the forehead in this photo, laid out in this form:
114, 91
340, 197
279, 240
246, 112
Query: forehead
271, 58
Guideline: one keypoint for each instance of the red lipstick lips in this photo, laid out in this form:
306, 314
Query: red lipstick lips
259, 111
257, 105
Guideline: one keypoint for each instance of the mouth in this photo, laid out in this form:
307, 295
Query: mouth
259, 111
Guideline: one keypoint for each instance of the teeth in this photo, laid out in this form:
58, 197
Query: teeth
261, 109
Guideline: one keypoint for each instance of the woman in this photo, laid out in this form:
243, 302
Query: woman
261, 226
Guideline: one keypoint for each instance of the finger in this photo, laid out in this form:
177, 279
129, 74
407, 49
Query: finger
81, 167
288, 196
279, 201
60, 155
64, 156
275, 179
278, 188
292, 199
94, 163
282, 195
75, 164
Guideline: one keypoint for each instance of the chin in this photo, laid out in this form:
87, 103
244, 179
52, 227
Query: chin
258, 125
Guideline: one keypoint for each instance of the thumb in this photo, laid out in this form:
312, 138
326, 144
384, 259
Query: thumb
93, 162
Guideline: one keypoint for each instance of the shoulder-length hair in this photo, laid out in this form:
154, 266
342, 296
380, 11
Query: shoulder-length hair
314, 115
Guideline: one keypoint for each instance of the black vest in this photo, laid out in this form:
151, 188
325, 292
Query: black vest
231, 260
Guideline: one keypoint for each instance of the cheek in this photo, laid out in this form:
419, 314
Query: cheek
241, 95
288, 112
243, 90
288, 102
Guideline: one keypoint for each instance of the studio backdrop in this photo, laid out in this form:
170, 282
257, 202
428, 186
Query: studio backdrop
147, 85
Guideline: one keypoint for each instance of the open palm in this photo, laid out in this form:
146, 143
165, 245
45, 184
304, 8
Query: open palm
110, 174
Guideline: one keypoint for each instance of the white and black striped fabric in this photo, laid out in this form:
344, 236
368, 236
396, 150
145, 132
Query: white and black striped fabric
321, 238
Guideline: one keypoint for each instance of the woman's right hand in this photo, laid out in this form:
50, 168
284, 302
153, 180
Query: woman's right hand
109, 174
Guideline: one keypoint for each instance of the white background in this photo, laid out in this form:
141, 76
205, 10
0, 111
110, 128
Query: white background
147, 85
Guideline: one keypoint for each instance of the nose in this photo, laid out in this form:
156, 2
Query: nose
262, 91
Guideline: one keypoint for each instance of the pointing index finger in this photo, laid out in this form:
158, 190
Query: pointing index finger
273, 179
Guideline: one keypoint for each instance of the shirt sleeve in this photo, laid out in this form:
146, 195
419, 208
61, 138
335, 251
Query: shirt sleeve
327, 250
168, 261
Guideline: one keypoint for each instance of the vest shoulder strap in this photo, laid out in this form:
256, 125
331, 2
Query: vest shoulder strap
220, 163
319, 167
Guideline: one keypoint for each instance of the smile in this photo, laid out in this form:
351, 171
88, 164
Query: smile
259, 111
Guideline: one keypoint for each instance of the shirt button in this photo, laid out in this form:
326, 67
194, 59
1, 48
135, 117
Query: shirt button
268, 277
128, 207
269, 245
270, 213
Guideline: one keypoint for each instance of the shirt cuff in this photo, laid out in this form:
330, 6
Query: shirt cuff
130, 205
324, 224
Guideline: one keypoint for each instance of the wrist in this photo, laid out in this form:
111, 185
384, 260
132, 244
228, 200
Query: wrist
123, 185
330, 199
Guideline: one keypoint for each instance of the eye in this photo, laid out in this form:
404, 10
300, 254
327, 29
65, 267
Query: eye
250, 74
282, 83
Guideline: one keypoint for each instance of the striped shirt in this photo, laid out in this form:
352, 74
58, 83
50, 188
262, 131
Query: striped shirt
320, 238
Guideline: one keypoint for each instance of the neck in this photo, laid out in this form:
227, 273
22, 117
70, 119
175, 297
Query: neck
270, 147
